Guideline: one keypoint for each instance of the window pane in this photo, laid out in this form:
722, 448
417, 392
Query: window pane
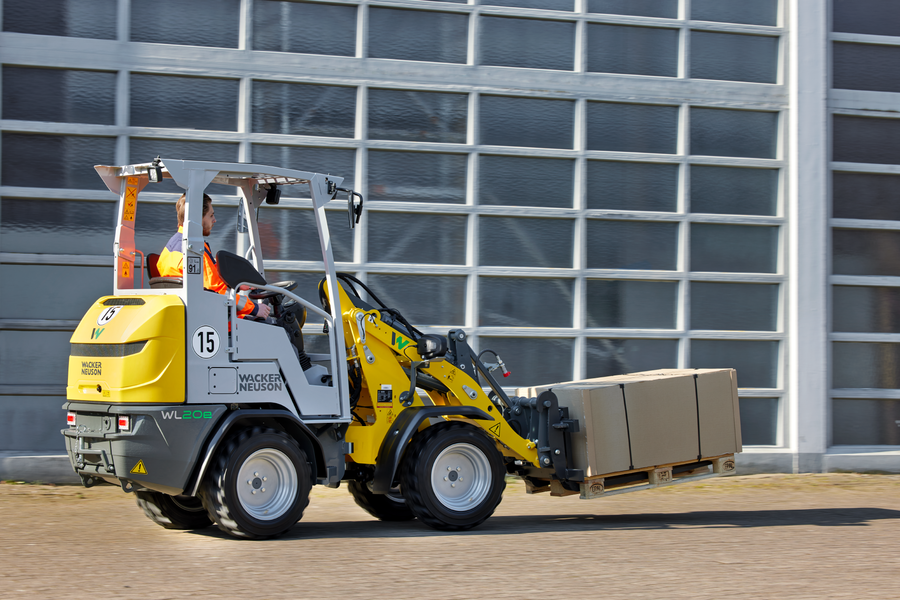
733, 191
27, 357
643, 8
519, 302
26, 156
145, 150
417, 116
633, 50
614, 357
81, 285
756, 12
527, 43
417, 238
335, 161
72, 18
529, 122
297, 109
417, 177
284, 27
733, 57
866, 140
532, 361
875, 17
632, 186
718, 132
290, 234
57, 226
865, 67
865, 422
865, 252
521, 181
66, 96
759, 421
194, 23
734, 248
865, 196
734, 306
155, 224
417, 35
631, 245
518, 242
632, 127
865, 365
632, 304
169, 101
756, 362
423, 299
542, 4
866, 309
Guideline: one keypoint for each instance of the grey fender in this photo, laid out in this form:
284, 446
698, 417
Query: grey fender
291, 424
394, 445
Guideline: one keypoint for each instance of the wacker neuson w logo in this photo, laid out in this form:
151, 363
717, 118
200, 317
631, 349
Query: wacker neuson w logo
260, 382
89, 367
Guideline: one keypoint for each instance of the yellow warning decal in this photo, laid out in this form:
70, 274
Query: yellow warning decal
131, 181
130, 201
495, 429
139, 468
126, 268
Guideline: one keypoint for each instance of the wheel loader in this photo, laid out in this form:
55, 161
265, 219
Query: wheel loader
209, 418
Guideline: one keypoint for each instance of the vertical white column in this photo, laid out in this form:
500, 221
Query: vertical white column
807, 233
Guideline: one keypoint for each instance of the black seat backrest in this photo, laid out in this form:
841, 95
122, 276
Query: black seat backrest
165, 282
234, 269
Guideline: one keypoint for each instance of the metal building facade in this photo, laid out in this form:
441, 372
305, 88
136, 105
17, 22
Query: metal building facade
589, 187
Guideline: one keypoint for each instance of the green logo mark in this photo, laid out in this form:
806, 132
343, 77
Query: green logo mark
96, 332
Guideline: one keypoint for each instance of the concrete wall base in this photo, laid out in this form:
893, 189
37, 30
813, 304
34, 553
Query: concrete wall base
36, 467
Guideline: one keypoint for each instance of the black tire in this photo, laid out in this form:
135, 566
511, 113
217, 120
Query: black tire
249, 464
385, 507
473, 486
173, 512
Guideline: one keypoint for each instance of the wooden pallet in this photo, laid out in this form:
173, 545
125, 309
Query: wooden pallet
622, 482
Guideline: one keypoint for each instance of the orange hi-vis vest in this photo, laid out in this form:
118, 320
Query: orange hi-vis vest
171, 264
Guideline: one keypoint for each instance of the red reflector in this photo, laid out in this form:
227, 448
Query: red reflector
507, 374
70, 418
124, 423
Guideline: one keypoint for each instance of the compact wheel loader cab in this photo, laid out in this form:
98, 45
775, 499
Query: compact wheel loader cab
211, 418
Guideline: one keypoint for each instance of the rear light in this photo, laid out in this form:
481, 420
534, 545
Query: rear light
124, 423
70, 419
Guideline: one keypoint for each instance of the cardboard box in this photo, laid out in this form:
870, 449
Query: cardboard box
643, 420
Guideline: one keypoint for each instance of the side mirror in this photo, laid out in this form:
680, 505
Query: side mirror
354, 210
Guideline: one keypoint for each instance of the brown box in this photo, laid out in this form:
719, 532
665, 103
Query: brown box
652, 418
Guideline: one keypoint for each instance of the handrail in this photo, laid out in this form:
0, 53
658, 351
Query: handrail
293, 296
143, 266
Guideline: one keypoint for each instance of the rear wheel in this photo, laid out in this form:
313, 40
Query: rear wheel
385, 507
173, 512
453, 476
259, 484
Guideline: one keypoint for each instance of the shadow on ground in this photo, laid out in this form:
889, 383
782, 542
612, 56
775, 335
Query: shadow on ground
500, 525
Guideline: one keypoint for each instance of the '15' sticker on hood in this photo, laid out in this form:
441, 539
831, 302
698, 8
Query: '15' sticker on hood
108, 314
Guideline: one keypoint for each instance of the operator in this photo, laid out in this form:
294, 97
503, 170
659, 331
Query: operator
171, 261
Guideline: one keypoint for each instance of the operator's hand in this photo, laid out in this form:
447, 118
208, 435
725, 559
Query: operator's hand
262, 310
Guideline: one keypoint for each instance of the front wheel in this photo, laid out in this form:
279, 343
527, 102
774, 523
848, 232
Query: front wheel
173, 512
453, 476
259, 484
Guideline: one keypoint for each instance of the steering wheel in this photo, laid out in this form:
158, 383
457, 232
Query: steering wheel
259, 294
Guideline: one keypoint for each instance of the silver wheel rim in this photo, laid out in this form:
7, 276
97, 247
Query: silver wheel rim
267, 484
396, 495
461, 477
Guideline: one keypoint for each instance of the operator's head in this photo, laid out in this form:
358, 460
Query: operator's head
209, 214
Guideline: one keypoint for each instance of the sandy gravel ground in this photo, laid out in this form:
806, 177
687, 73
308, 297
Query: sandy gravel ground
760, 537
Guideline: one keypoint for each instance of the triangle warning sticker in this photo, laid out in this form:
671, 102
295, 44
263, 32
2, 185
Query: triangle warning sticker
139, 468
495, 429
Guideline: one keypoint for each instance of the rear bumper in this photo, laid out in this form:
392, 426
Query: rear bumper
159, 452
